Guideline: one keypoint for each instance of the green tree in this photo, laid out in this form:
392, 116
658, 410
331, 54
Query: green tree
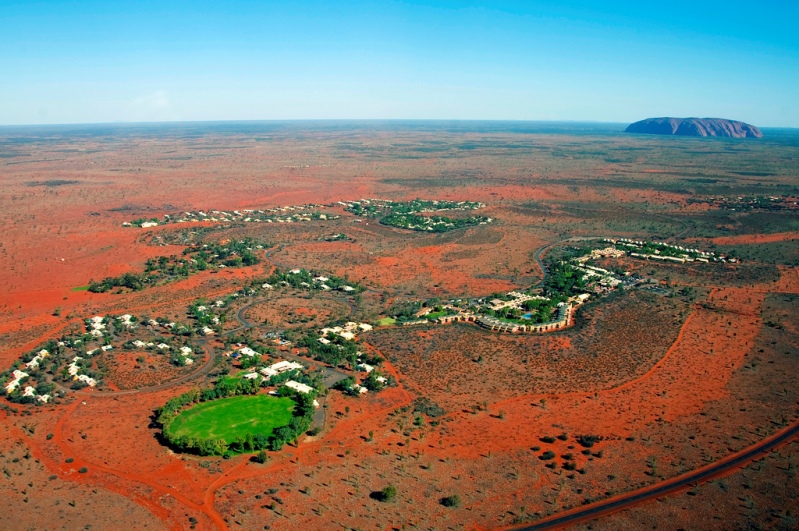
388, 493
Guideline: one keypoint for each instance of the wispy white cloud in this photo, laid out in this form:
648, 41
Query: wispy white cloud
155, 100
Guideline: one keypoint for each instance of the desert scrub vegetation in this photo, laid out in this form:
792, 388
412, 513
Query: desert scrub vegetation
194, 259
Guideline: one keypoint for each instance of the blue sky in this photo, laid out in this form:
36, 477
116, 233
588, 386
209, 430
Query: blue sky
78, 62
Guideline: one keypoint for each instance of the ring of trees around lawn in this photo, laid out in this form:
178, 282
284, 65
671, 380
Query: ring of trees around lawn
232, 417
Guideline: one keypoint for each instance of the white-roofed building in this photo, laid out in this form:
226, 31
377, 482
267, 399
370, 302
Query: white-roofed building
247, 351
91, 382
365, 367
283, 366
17, 376
299, 387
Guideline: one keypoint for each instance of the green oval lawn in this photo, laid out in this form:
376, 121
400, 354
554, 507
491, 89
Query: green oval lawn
228, 418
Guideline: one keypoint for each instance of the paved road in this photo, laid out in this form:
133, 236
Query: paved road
568, 518
671, 486
331, 375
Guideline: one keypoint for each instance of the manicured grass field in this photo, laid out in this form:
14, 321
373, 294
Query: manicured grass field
228, 418
386, 321
81, 288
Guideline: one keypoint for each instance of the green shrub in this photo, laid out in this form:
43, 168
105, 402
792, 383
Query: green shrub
451, 501
387, 494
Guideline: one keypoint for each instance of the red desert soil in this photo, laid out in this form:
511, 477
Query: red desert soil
756, 238
706, 381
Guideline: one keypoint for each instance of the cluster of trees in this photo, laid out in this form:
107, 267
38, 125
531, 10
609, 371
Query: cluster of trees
370, 210
227, 387
405, 214
420, 205
53, 365
347, 385
204, 317
563, 281
42, 388
304, 279
372, 383
232, 254
300, 422
313, 380
409, 207
132, 281
541, 310
405, 311
195, 258
588, 441
334, 353
746, 203
430, 223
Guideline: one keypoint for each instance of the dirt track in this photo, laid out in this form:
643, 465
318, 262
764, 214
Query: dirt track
668, 487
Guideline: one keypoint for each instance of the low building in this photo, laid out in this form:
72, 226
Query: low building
16, 377
299, 387
283, 366
91, 382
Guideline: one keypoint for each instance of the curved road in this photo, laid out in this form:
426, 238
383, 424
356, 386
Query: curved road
203, 370
567, 518
664, 488
332, 375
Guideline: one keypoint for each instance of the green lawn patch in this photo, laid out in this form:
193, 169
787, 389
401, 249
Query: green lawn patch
81, 288
436, 315
228, 418
386, 321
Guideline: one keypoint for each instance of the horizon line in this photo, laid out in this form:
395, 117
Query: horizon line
374, 120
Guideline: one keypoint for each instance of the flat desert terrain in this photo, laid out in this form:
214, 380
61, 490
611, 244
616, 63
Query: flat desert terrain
680, 366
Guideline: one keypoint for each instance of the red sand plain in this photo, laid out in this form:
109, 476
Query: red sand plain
696, 402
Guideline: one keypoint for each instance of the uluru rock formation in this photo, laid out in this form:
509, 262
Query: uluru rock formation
695, 127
